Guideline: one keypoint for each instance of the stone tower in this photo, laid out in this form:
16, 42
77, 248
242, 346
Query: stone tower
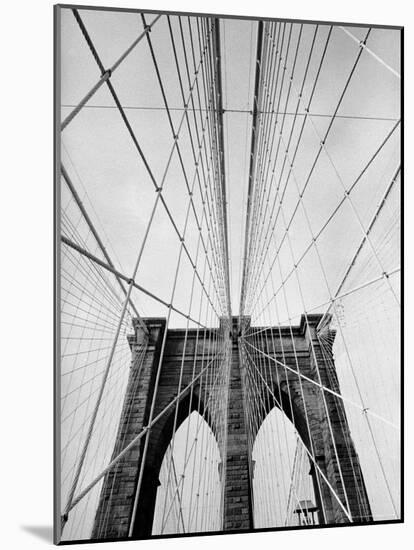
305, 404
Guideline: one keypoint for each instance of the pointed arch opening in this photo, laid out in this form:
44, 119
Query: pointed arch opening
283, 485
190, 491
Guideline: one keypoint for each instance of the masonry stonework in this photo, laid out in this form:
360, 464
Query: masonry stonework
319, 417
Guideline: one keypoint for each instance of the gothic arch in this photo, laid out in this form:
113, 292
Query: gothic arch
190, 518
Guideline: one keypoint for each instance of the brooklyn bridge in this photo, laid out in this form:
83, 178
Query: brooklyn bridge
228, 274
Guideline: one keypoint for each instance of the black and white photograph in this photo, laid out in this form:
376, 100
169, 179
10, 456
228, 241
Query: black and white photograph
228, 206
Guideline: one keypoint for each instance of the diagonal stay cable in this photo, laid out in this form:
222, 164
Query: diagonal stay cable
341, 295
320, 385
370, 52
106, 74
109, 268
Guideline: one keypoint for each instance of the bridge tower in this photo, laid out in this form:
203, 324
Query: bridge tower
335, 467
